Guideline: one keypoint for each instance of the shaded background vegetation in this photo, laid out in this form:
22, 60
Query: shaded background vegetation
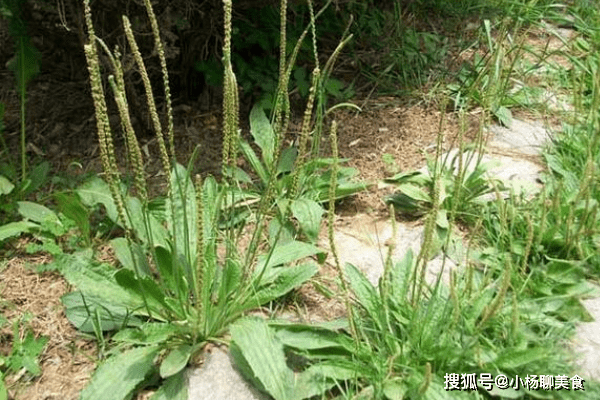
396, 44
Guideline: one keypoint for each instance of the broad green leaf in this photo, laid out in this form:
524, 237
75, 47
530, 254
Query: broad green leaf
441, 219
118, 376
6, 186
287, 159
504, 116
400, 279
309, 215
415, 177
26, 62
306, 337
134, 211
147, 289
505, 393
394, 389
175, 361
317, 379
262, 132
345, 190
86, 311
16, 228
37, 212
512, 359
284, 279
3, 391
182, 216
264, 354
71, 206
38, 176
281, 234
96, 191
25, 354
164, 263
240, 175
256, 164
436, 391
230, 279
97, 281
158, 232
287, 253
173, 388
131, 255
366, 295
147, 333
414, 192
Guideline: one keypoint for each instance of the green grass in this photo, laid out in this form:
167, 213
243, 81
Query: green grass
187, 275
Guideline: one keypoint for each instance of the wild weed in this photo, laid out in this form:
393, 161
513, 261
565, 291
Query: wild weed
182, 280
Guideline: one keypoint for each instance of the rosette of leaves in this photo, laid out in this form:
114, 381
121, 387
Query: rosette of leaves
179, 283
313, 178
461, 189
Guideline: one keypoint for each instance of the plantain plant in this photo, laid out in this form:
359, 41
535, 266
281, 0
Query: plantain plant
181, 280
294, 181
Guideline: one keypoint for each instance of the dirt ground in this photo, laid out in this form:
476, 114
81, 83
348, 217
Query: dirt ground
389, 135
385, 126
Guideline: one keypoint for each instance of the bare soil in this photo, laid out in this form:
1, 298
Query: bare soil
408, 133
61, 129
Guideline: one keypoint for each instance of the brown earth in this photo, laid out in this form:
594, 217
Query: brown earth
385, 126
61, 129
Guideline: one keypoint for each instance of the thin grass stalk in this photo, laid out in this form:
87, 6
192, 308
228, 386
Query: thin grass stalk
304, 135
313, 30
230, 95
282, 122
198, 278
134, 152
281, 111
135, 156
281, 115
462, 171
388, 264
425, 252
528, 244
178, 273
385, 281
330, 226
514, 320
107, 155
498, 301
454, 300
543, 219
428, 378
321, 98
149, 95
166, 86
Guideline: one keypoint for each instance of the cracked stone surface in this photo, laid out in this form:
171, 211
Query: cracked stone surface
217, 379
586, 342
523, 137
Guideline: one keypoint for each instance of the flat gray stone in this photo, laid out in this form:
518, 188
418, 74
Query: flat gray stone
364, 243
519, 175
217, 379
586, 342
523, 137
